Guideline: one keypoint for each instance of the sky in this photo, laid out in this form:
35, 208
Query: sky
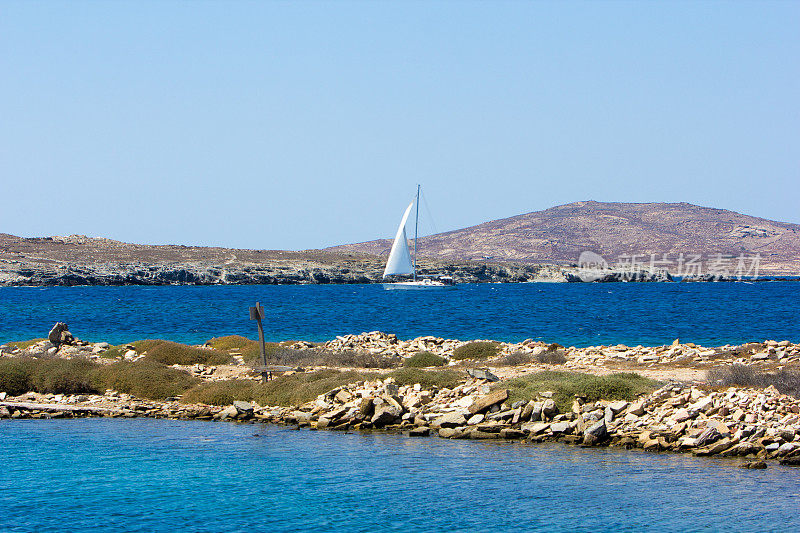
296, 125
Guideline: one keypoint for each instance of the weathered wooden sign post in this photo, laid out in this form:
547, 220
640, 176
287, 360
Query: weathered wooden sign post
257, 314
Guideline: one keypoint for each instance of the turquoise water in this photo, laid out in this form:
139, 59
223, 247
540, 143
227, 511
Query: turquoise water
159, 475
710, 314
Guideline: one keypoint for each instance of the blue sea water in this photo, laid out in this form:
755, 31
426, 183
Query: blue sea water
160, 475
710, 314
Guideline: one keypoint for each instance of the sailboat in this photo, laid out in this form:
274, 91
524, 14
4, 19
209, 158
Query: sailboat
400, 261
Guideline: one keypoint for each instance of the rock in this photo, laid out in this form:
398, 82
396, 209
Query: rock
482, 373
510, 433
3, 396
481, 435
681, 415
711, 434
636, 408
493, 398
243, 408
450, 420
475, 419
447, 433
786, 448
228, 412
60, 334
419, 432
365, 408
755, 465
713, 449
595, 433
560, 427
527, 411
618, 406
385, 415
534, 428
787, 461
549, 409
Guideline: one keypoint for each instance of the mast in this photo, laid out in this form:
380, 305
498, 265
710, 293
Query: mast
416, 226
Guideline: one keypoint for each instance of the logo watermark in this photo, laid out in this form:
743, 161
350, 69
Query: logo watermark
593, 266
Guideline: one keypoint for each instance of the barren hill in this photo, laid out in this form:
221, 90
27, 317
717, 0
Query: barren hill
617, 231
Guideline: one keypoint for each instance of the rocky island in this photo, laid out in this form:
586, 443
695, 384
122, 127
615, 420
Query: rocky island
730, 401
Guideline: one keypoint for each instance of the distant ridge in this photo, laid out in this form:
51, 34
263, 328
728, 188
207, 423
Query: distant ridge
559, 235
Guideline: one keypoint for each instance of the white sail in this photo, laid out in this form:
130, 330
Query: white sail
399, 261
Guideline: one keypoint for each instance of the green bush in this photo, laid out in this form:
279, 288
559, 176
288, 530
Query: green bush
423, 360
144, 379
566, 385
476, 350
16, 374
428, 378
172, 353
221, 392
63, 376
294, 389
231, 342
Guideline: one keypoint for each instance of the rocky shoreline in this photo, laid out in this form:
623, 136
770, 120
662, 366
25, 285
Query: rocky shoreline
79, 260
753, 424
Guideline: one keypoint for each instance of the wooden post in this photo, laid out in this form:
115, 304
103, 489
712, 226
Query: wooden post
257, 313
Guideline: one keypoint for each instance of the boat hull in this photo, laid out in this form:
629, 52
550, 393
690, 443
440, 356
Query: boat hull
416, 285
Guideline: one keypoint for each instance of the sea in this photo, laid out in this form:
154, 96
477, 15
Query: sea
571, 314
161, 475
164, 475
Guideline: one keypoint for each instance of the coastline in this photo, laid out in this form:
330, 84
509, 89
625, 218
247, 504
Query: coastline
685, 413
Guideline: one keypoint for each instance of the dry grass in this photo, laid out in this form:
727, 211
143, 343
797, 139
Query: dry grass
172, 353
786, 380
567, 385
442, 379
145, 379
25, 344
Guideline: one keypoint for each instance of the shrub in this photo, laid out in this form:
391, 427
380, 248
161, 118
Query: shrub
567, 385
56, 376
552, 357
15, 374
787, 380
300, 388
172, 353
278, 355
231, 342
221, 392
476, 350
63, 376
353, 359
144, 378
113, 352
428, 378
423, 360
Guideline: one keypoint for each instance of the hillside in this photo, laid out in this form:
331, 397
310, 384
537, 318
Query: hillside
560, 234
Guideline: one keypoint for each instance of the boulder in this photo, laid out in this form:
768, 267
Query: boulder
243, 408
482, 373
534, 428
560, 427
450, 420
419, 432
385, 415
475, 419
493, 398
595, 433
549, 409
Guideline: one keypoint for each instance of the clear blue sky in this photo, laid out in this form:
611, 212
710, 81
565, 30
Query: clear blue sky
301, 124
